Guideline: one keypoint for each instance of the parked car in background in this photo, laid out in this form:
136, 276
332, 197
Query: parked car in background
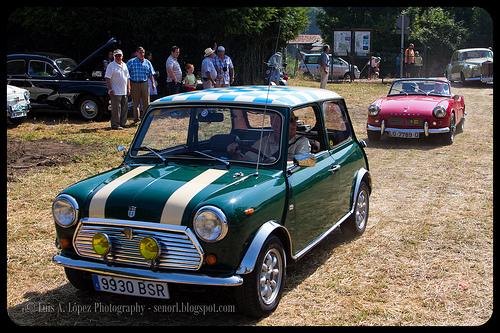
54, 80
340, 69
18, 104
467, 65
200, 200
416, 107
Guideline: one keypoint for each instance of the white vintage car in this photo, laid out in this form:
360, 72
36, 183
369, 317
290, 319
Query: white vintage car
471, 65
18, 104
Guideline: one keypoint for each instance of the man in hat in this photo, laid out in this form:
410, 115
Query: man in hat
224, 67
118, 82
208, 72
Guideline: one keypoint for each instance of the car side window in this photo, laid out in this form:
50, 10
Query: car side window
41, 68
16, 67
312, 60
309, 126
336, 123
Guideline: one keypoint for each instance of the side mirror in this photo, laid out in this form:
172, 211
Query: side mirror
305, 160
456, 97
122, 149
362, 143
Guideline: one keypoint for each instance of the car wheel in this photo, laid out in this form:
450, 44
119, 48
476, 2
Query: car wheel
13, 122
449, 137
90, 108
356, 224
462, 78
373, 135
348, 77
81, 280
262, 288
461, 125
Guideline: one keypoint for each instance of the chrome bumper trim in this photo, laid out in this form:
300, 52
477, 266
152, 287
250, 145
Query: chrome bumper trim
145, 274
409, 130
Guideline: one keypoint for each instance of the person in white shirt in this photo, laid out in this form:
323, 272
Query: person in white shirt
208, 72
118, 83
174, 72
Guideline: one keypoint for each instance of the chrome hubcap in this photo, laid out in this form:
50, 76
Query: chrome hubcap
361, 209
270, 276
88, 109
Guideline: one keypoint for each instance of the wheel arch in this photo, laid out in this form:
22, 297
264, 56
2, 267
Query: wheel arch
362, 175
269, 228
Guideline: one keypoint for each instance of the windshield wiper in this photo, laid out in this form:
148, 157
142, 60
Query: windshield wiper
154, 151
226, 163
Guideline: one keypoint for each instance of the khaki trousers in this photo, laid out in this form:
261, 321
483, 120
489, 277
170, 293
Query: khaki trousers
139, 92
119, 109
324, 79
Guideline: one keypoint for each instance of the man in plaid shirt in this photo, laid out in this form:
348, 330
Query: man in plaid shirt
140, 70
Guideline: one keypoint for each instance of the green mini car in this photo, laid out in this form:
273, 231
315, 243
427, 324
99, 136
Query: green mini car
220, 187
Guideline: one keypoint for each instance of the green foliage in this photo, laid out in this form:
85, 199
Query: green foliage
248, 33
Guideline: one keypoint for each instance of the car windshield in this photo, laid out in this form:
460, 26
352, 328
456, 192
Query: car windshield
476, 54
66, 65
227, 134
420, 87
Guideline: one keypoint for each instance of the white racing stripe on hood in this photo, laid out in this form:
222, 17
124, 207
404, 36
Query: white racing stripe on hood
98, 203
178, 201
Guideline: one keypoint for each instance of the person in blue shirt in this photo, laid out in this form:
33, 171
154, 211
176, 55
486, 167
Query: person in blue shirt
140, 70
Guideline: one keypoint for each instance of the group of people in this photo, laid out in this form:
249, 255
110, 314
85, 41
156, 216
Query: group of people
137, 78
413, 62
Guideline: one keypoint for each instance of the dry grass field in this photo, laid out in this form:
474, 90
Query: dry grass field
426, 257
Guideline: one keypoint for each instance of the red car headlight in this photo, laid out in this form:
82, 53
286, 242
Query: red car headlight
439, 112
373, 110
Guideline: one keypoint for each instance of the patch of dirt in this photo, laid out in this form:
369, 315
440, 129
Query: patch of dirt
25, 156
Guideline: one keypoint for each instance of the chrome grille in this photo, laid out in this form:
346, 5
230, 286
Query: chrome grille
179, 247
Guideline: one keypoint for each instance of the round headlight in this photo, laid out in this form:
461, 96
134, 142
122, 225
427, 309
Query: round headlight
101, 244
373, 109
149, 248
65, 210
439, 112
210, 224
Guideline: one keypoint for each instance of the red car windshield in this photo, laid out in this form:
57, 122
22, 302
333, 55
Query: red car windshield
420, 87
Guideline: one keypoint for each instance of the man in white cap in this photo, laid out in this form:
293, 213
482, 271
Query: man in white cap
224, 67
208, 72
118, 82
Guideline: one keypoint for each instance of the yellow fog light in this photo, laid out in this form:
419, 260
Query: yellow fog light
149, 248
101, 244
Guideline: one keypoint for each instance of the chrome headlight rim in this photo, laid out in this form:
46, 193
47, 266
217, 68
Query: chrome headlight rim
27, 95
373, 109
221, 217
73, 203
439, 112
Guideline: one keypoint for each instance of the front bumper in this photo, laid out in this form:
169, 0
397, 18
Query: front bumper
18, 110
425, 129
146, 274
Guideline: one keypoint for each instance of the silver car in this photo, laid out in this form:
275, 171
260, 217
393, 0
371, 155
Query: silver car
466, 64
339, 67
18, 104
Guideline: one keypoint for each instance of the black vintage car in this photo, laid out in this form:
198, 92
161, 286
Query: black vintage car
54, 80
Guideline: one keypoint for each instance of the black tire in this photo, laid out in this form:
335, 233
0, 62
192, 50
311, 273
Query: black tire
249, 298
355, 225
90, 108
462, 79
13, 122
373, 135
449, 138
81, 280
348, 77
461, 125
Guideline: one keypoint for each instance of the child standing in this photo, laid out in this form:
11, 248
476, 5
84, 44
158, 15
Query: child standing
189, 82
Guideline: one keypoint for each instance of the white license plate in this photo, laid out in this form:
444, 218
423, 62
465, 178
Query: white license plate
130, 287
410, 135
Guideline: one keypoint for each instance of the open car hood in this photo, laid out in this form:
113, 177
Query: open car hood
109, 44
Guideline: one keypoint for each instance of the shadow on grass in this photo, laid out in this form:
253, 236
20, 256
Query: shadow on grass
429, 143
188, 305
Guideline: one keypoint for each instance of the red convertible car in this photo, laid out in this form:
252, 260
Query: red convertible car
416, 108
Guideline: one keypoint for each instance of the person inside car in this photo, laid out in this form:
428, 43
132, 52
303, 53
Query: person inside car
270, 143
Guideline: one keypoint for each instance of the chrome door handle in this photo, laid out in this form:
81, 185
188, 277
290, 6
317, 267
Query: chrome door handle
334, 168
